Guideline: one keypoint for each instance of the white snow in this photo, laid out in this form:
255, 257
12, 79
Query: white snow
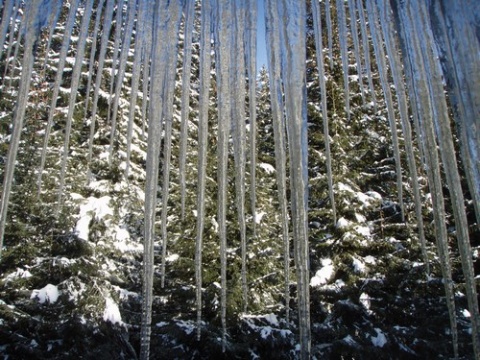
93, 207
112, 312
18, 274
365, 301
343, 223
48, 294
358, 266
380, 340
324, 275
259, 216
269, 169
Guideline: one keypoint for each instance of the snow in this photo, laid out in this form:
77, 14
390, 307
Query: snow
93, 207
112, 312
380, 340
358, 265
269, 169
49, 294
18, 274
365, 301
324, 275
343, 223
259, 216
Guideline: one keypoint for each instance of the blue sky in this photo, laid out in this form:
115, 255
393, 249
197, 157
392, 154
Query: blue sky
261, 45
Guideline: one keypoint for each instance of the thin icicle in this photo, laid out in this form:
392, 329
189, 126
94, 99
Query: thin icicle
447, 151
32, 10
82, 37
251, 58
328, 16
276, 96
52, 22
137, 62
293, 52
165, 37
167, 113
342, 34
131, 11
239, 136
224, 64
146, 57
93, 50
423, 114
356, 46
56, 87
317, 24
366, 52
107, 24
186, 75
397, 74
204, 101
115, 55
377, 41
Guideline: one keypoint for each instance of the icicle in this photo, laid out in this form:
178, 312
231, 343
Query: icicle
317, 24
276, 96
382, 70
52, 21
396, 69
447, 152
146, 57
73, 95
167, 113
356, 46
116, 48
93, 50
239, 136
204, 101
11, 74
107, 24
293, 52
186, 74
366, 52
137, 61
423, 122
165, 38
32, 10
56, 87
251, 58
131, 11
454, 26
342, 33
224, 37
329, 32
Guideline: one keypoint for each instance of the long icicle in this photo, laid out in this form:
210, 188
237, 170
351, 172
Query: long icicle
93, 50
164, 38
52, 21
366, 52
107, 24
317, 24
82, 37
167, 113
186, 75
224, 37
6, 16
19, 113
328, 16
396, 69
447, 152
239, 137
342, 34
251, 58
204, 101
422, 120
377, 41
136, 72
276, 95
294, 78
11, 40
122, 66
56, 88
356, 46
